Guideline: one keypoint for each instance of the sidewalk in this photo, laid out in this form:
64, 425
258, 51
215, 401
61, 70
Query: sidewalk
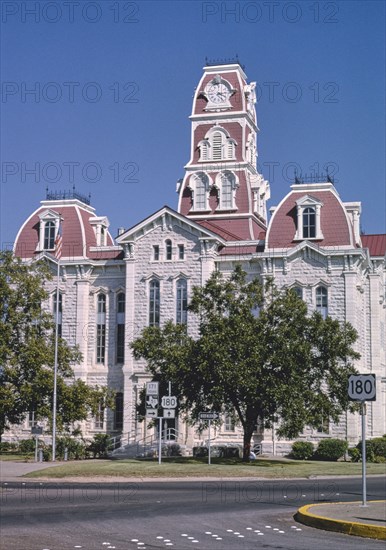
350, 518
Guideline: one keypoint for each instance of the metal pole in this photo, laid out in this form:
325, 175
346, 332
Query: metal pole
160, 440
36, 448
363, 413
55, 367
209, 442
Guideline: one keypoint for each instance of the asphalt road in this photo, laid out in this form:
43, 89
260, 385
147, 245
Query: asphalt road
237, 515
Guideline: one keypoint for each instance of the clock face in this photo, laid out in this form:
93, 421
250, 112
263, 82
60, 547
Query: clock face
218, 93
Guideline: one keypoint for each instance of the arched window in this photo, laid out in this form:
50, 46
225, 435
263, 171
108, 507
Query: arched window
101, 329
309, 223
226, 194
169, 249
154, 303
200, 186
322, 301
298, 291
226, 184
49, 236
59, 312
182, 302
120, 342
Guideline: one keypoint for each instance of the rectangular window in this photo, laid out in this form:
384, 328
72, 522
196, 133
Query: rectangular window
120, 330
101, 329
60, 313
101, 343
118, 412
156, 253
309, 223
120, 343
181, 252
229, 423
182, 302
31, 419
154, 303
99, 417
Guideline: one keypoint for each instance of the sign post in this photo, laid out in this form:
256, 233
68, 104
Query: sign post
362, 388
208, 416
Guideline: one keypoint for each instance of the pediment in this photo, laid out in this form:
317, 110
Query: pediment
167, 218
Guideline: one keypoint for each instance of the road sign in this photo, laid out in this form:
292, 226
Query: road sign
169, 413
151, 413
152, 388
208, 416
36, 430
151, 402
362, 387
169, 402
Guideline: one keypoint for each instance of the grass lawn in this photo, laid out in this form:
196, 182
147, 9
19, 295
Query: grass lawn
6, 457
192, 467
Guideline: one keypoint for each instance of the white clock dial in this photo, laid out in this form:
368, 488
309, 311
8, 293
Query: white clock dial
218, 93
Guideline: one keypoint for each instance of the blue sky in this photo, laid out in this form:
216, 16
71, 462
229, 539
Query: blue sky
114, 83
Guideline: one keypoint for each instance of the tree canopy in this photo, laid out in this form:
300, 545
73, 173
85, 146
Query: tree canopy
258, 354
27, 352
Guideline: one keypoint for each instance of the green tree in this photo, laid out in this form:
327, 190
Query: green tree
27, 352
258, 353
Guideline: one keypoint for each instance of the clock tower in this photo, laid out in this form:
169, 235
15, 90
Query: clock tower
222, 188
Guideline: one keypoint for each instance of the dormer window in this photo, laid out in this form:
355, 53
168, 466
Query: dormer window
48, 230
308, 218
309, 223
100, 225
49, 236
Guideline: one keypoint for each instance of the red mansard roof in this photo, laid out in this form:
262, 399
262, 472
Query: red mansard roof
77, 232
375, 243
335, 225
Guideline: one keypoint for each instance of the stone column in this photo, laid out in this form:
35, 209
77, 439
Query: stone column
378, 423
350, 290
82, 325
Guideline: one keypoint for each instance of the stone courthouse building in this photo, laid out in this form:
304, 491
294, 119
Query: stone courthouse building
111, 289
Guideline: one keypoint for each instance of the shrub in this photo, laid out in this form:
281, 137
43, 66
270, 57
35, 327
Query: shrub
375, 449
27, 446
355, 454
200, 452
76, 449
302, 450
172, 449
7, 446
99, 447
330, 449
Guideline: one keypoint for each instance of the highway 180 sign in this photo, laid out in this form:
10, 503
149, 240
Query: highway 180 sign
362, 387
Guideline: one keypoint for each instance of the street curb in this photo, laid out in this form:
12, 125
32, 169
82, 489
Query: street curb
304, 516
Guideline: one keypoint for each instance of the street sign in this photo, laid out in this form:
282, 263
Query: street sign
208, 416
151, 413
152, 388
169, 413
362, 387
151, 402
36, 430
169, 402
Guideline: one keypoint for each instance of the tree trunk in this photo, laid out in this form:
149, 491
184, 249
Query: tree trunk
248, 432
